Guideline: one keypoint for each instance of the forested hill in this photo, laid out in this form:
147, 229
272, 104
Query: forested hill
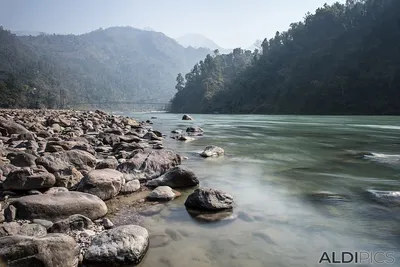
114, 64
343, 59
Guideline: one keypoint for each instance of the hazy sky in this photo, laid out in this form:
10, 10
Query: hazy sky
230, 23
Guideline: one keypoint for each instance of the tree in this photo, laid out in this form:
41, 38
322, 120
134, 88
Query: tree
180, 82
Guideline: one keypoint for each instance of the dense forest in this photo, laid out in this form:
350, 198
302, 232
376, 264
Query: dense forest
343, 59
114, 64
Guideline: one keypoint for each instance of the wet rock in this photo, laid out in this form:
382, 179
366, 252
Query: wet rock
177, 177
27, 179
73, 222
150, 164
21, 159
224, 215
104, 183
194, 129
212, 151
122, 245
186, 118
158, 240
389, 198
15, 228
35, 251
185, 138
108, 163
177, 131
55, 207
209, 199
152, 210
107, 223
162, 193
130, 187
151, 136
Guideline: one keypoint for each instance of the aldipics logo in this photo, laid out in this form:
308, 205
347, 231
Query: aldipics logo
359, 257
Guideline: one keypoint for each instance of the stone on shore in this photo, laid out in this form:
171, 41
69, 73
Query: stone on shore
186, 118
27, 229
180, 176
130, 187
73, 222
122, 245
104, 183
53, 250
55, 207
162, 193
27, 179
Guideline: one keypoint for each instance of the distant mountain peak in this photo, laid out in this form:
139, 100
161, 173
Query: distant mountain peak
197, 40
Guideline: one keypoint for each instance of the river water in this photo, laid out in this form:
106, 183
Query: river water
272, 165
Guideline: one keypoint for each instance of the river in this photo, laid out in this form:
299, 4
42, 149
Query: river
272, 165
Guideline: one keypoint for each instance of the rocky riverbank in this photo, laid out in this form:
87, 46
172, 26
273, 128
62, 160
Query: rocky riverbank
62, 174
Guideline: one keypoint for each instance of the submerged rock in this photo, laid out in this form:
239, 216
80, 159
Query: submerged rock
212, 151
209, 199
122, 245
390, 198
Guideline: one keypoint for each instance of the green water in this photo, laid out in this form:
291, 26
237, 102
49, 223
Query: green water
271, 164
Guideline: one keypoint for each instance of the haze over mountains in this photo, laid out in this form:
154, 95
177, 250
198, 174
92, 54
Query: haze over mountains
114, 64
198, 40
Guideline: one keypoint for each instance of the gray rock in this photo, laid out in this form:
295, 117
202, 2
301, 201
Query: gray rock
107, 223
14, 228
47, 224
194, 129
55, 207
26, 136
53, 250
27, 179
185, 138
59, 161
158, 240
177, 131
122, 245
73, 222
130, 187
68, 177
56, 190
34, 192
108, 163
389, 198
21, 159
12, 127
7, 168
212, 151
104, 183
152, 210
209, 199
151, 136
162, 193
186, 118
150, 164
10, 213
177, 177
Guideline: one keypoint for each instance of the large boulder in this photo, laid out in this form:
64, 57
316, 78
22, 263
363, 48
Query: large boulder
12, 127
150, 164
55, 207
104, 183
108, 163
212, 151
21, 159
122, 245
180, 176
73, 222
162, 193
15, 228
27, 179
53, 250
209, 199
57, 161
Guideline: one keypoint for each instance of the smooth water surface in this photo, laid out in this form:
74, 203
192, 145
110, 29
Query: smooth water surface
272, 164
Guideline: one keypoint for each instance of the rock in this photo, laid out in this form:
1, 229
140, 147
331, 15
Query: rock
194, 129
43, 134
7, 168
26, 179
47, 224
151, 136
107, 223
326, 196
389, 198
108, 163
185, 138
59, 161
122, 245
158, 146
224, 215
10, 213
34, 192
14, 228
186, 118
53, 250
209, 199
2, 218
68, 177
12, 127
159, 240
152, 210
177, 131
21, 159
161, 193
55, 207
130, 187
26, 136
212, 151
56, 190
104, 183
177, 177
73, 222
84, 147
150, 164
